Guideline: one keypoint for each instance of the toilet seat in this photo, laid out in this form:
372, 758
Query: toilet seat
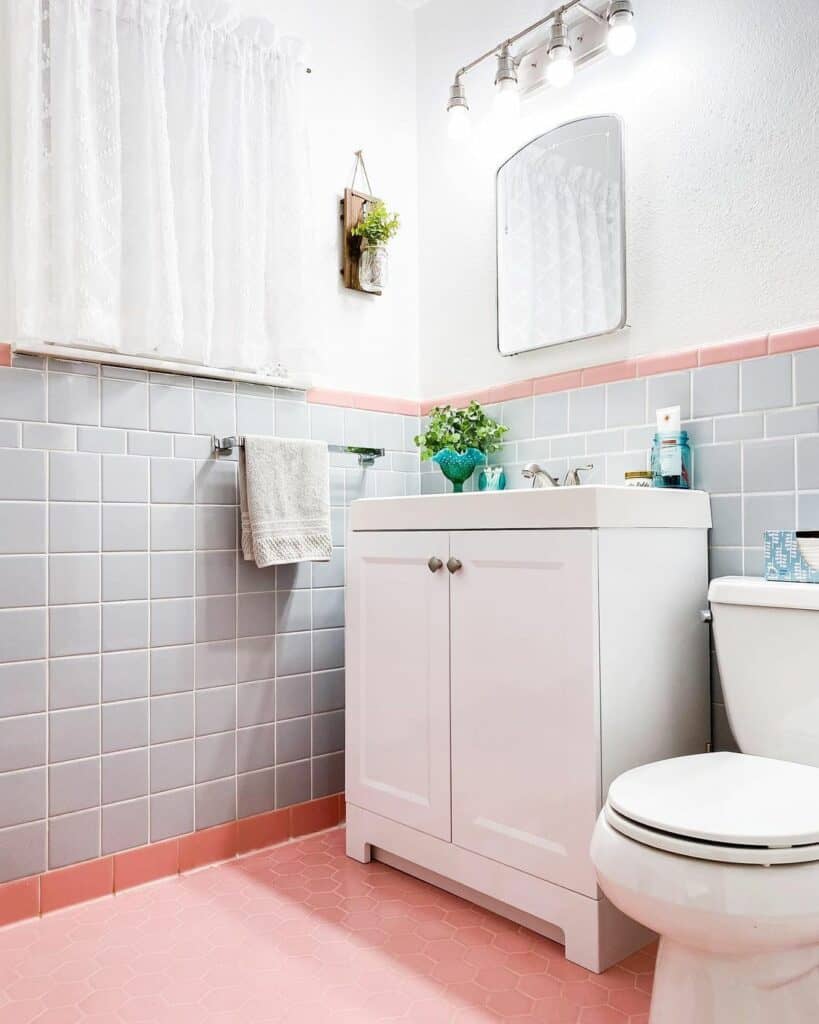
733, 808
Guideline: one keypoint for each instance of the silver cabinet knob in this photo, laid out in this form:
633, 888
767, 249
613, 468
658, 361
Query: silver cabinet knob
454, 565
434, 564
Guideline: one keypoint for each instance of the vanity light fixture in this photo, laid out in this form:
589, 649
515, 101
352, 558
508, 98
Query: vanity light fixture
622, 34
458, 110
507, 95
560, 67
553, 60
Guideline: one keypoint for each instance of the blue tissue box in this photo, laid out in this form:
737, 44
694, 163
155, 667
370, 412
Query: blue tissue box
792, 556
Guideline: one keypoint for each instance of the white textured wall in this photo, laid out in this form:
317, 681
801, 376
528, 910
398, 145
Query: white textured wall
361, 95
722, 163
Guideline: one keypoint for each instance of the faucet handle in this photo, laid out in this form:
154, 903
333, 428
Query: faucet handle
572, 478
539, 477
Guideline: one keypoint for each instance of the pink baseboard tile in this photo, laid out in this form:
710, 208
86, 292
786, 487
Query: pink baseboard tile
315, 816
556, 382
508, 392
40, 894
209, 846
76, 884
734, 351
608, 372
19, 900
5, 355
146, 864
667, 362
262, 830
793, 341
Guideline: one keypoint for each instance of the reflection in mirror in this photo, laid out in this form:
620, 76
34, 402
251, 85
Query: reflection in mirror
561, 237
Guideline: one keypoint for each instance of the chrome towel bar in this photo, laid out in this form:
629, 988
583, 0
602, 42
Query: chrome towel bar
366, 456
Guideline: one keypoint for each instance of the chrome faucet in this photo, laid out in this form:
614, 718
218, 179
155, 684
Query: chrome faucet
539, 477
542, 478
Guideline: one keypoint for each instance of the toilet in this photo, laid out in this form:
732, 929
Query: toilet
719, 853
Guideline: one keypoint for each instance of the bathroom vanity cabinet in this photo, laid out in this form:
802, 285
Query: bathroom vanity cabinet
508, 655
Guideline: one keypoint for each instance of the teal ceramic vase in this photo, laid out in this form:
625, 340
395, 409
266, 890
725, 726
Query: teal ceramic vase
458, 467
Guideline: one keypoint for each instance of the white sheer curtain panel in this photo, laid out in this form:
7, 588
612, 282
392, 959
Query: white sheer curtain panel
154, 183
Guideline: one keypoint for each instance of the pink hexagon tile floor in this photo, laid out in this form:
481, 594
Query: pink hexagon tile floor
298, 934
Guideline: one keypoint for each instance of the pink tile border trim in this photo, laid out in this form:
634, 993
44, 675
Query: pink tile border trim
30, 897
354, 400
5, 355
793, 341
639, 367
734, 351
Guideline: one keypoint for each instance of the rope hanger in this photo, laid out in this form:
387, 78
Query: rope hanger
359, 164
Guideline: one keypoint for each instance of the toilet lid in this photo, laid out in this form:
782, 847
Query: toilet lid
725, 798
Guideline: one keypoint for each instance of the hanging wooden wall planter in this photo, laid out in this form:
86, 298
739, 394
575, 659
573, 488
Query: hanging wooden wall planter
352, 206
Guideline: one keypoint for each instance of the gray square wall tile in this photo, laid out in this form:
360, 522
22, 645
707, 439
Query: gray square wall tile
72, 398
808, 463
715, 390
22, 797
22, 474
22, 742
766, 383
806, 374
171, 814
124, 725
125, 775
74, 579
74, 786
22, 394
73, 734
22, 580
22, 527
215, 803
73, 838
124, 675
124, 404
74, 682
666, 390
125, 826
587, 409
22, 688
256, 792
125, 576
23, 850
768, 465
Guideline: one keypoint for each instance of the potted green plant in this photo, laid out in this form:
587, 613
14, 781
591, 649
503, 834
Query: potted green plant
459, 440
376, 227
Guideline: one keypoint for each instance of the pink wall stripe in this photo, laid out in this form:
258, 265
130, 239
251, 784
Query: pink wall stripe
372, 403
609, 372
650, 366
507, 392
734, 351
5, 355
556, 382
792, 341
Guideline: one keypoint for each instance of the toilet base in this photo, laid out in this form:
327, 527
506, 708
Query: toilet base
766, 988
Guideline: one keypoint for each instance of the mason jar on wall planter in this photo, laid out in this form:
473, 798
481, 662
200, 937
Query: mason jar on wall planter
373, 267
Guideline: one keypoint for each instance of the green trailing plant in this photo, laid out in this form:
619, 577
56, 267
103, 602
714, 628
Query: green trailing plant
460, 429
378, 225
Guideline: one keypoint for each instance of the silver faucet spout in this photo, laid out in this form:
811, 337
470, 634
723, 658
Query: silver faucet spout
539, 477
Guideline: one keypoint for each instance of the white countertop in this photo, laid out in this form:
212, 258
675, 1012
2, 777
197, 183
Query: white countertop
586, 507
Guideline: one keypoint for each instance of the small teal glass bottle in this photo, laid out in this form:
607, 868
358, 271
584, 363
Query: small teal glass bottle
671, 460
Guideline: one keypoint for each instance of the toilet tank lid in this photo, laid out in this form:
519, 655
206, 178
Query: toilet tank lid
752, 590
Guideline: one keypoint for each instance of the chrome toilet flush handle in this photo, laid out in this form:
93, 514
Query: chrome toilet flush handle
454, 565
434, 564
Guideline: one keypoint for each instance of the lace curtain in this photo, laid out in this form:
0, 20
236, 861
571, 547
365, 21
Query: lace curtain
156, 195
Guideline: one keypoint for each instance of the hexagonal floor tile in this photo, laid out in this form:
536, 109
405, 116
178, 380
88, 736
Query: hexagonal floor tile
296, 934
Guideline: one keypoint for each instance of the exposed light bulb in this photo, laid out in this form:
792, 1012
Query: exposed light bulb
507, 96
622, 34
507, 99
560, 67
559, 64
459, 124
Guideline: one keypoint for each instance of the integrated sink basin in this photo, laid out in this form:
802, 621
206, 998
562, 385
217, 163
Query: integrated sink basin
587, 507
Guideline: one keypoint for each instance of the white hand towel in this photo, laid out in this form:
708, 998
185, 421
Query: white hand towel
284, 493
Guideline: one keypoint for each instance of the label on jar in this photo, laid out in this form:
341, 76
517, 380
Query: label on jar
670, 460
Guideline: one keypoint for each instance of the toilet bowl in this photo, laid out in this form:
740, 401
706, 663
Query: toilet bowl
719, 853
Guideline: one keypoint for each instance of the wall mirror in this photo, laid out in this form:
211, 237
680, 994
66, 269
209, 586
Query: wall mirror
561, 237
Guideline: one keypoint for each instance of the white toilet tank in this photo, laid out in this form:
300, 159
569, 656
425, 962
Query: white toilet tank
767, 642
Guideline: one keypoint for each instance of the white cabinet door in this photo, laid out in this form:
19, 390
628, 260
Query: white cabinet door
398, 678
525, 700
